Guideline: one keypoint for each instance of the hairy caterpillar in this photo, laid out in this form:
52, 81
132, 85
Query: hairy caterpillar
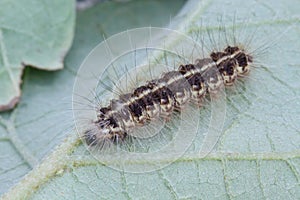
173, 83
160, 97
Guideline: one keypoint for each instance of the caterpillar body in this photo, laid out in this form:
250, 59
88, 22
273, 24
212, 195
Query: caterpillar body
159, 98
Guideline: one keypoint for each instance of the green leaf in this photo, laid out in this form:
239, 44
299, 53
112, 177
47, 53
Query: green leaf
257, 157
43, 118
33, 33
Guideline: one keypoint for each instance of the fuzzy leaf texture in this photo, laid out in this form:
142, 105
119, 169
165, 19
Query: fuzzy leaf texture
257, 156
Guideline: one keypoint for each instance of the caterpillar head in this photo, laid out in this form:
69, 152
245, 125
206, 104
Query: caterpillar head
97, 134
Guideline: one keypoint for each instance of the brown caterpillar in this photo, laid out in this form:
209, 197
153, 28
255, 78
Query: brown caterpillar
159, 98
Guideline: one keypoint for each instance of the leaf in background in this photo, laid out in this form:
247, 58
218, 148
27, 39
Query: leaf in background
258, 155
43, 117
34, 33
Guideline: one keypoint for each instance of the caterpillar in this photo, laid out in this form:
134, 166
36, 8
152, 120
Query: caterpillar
161, 97
150, 90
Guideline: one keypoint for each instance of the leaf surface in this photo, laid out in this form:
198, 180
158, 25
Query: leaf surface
44, 116
33, 33
257, 156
